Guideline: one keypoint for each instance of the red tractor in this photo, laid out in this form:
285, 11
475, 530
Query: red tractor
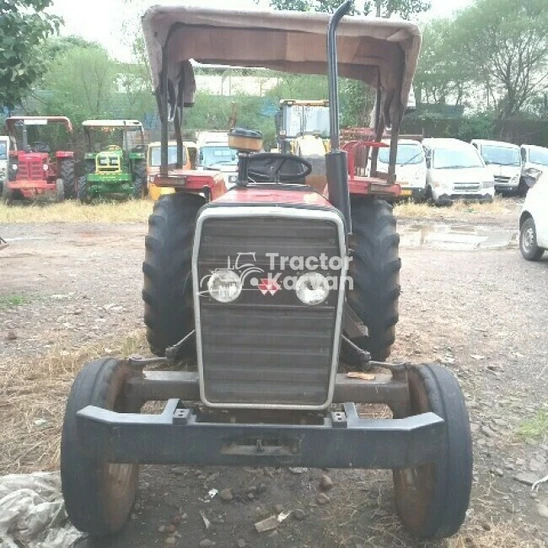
280, 293
33, 171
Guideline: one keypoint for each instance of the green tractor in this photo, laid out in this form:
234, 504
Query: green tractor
116, 162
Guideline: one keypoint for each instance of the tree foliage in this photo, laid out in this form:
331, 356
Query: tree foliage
24, 26
380, 8
83, 81
506, 42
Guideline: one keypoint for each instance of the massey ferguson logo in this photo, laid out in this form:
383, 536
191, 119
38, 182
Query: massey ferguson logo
268, 286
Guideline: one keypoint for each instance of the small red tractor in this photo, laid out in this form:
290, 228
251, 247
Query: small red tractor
33, 171
281, 292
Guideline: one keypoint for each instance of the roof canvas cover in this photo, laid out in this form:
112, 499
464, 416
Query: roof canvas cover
380, 52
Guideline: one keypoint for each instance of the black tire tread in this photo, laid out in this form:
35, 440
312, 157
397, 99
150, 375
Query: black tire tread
66, 172
79, 473
454, 470
139, 179
83, 192
375, 272
169, 314
537, 252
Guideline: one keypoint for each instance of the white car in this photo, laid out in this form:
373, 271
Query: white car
410, 167
533, 221
220, 156
455, 170
534, 160
503, 161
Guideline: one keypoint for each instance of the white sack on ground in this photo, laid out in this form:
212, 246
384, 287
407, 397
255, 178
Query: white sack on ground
32, 512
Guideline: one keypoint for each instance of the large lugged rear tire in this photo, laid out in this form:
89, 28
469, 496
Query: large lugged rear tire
98, 495
432, 499
375, 274
66, 172
83, 192
167, 293
139, 179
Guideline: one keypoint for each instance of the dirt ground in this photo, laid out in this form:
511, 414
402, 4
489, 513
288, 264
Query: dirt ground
469, 301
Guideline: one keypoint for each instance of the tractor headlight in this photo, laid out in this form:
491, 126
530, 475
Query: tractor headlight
45, 166
14, 167
224, 286
312, 288
233, 179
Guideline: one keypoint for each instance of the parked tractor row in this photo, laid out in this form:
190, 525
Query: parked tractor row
114, 163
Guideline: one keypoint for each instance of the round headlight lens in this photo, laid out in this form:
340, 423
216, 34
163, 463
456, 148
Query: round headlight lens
312, 288
224, 286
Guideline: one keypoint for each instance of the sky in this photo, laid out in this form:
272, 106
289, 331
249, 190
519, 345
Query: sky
103, 20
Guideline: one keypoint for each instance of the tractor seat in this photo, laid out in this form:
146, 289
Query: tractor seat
39, 146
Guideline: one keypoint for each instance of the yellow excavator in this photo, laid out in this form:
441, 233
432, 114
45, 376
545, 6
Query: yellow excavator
302, 127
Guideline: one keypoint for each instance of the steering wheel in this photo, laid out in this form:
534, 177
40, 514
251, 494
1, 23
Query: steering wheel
113, 147
266, 167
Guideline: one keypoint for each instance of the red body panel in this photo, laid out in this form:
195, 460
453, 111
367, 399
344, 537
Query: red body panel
194, 181
61, 154
32, 179
273, 196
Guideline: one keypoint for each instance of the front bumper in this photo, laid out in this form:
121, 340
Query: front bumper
414, 193
194, 436
449, 198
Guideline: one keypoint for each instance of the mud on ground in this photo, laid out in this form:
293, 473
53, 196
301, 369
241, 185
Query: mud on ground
469, 301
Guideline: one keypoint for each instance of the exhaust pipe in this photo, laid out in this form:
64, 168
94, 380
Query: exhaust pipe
335, 161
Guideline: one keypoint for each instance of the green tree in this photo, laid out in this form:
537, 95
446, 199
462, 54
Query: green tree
507, 44
83, 82
442, 75
380, 8
24, 27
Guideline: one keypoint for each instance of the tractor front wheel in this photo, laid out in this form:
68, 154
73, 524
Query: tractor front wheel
98, 495
59, 190
7, 193
167, 292
432, 499
66, 172
83, 192
139, 180
374, 285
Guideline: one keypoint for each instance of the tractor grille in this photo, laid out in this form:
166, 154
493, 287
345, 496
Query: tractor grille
266, 348
31, 170
108, 163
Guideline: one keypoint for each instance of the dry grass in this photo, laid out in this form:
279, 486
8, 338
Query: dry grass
33, 394
131, 211
499, 206
502, 535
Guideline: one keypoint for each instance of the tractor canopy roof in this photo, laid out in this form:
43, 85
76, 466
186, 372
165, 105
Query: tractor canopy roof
127, 124
37, 121
380, 52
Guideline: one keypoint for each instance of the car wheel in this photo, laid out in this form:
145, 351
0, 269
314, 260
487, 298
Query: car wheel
528, 241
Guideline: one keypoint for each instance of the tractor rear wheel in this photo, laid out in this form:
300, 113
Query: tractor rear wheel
83, 192
167, 292
375, 274
98, 495
432, 499
66, 172
139, 179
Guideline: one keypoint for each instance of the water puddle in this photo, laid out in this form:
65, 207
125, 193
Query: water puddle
457, 237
